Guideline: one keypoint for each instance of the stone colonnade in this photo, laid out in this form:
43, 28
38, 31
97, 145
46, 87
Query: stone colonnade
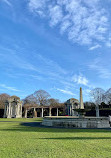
42, 111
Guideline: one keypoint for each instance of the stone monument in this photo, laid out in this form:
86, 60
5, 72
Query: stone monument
81, 99
70, 105
81, 110
79, 121
13, 108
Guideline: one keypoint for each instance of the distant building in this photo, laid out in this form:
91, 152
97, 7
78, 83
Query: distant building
70, 105
13, 107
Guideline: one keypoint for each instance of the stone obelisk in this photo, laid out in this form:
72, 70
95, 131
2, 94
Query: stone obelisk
81, 99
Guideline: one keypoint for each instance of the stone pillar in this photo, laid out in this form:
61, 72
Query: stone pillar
50, 111
21, 109
17, 110
97, 111
35, 113
25, 113
73, 107
57, 112
42, 112
70, 110
9, 110
81, 100
16, 107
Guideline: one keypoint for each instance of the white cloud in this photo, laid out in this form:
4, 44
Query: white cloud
65, 25
9, 88
84, 21
50, 66
17, 61
95, 47
102, 71
55, 13
80, 79
108, 43
37, 6
7, 2
86, 92
65, 91
42, 68
68, 84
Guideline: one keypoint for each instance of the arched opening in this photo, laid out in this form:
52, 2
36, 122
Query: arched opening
1, 113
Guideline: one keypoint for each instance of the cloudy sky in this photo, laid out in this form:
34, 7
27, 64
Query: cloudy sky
55, 45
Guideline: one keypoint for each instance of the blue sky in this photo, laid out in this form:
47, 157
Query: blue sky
55, 45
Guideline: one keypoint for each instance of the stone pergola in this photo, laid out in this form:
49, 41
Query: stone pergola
42, 109
13, 108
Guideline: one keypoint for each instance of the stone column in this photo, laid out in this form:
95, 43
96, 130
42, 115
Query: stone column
73, 107
35, 113
16, 107
81, 100
25, 113
21, 109
17, 110
50, 111
42, 112
57, 112
97, 111
9, 110
70, 111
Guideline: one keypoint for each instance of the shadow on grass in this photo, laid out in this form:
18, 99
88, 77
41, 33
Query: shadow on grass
77, 138
37, 127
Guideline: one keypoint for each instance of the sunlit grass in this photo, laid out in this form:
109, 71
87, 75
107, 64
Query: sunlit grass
20, 141
21, 119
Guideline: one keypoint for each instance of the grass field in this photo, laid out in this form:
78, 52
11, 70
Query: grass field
20, 141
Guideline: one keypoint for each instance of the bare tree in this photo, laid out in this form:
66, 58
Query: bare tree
107, 96
89, 105
109, 99
41, 96
97, 96
3, 98
30, 100
53, 102
36, 99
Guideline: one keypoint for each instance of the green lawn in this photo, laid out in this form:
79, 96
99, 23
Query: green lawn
20, 141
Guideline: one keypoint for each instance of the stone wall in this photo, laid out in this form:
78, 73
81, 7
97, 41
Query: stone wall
72, 122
